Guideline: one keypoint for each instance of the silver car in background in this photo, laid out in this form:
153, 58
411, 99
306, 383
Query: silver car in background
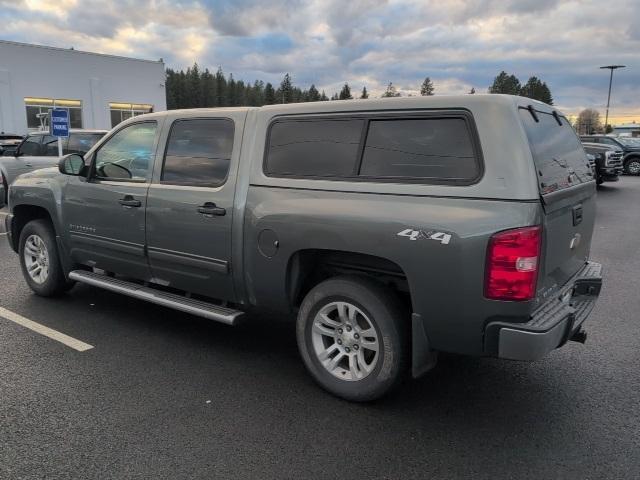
40, 150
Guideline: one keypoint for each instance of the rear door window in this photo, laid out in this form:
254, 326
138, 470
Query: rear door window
436, 149
198, 152
559, 158
314, 148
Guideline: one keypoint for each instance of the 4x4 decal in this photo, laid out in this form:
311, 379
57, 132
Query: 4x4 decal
442, 237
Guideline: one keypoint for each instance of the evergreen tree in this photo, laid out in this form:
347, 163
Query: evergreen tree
364, 94
193, 94
181, 89
505, 83
269, 94
546, 94
285, 91
231, 99
538, 90
208, 89
220, 89
391, 91
334, 96
313, 95
297, 95
472, 91
345, 93
323, 97
255, 94
170, 89
427, 87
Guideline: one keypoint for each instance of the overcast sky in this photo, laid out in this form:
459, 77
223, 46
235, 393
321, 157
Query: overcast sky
459, 44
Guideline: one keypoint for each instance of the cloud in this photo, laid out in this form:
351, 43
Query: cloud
459, 43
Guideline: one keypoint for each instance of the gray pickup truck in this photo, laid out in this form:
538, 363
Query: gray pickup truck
394, 229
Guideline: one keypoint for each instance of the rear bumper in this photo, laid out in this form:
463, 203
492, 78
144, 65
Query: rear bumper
552, 324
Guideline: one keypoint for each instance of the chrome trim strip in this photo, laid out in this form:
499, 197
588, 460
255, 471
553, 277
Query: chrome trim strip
196, 261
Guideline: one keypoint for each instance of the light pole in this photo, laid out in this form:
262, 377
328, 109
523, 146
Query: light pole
612, 68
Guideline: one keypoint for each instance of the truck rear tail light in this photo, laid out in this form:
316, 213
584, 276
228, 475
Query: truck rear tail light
512, 264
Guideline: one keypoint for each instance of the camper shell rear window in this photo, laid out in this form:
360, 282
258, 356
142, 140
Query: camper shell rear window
558, 155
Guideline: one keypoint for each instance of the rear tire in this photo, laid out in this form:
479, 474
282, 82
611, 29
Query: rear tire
353, 338
40, 261
632, 166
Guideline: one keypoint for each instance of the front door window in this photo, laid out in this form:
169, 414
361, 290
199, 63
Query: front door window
128, 155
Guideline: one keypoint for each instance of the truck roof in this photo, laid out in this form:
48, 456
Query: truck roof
336, 106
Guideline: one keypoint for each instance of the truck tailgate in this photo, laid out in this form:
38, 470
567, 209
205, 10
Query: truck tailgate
568, 227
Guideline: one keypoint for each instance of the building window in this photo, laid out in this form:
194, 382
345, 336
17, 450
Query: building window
38, 111
123, 111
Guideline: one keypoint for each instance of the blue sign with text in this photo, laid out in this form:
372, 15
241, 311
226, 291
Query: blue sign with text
59, 122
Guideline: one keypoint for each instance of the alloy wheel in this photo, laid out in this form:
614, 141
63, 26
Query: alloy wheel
36, 259
633, 167
345, 341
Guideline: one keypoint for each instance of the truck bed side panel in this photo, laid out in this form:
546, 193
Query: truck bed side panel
450, 274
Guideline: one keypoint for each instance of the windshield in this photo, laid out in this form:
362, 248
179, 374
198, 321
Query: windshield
629, 142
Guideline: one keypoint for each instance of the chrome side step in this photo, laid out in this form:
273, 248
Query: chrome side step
171, 300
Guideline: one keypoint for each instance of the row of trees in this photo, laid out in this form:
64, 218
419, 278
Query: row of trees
201, 88
510, 84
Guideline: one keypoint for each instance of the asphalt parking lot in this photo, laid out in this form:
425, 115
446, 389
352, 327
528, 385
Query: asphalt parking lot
166, 395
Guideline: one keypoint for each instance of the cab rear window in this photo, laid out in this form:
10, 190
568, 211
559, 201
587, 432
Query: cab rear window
557, 152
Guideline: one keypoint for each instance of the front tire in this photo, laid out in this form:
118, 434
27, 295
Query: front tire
353, 338
39, 259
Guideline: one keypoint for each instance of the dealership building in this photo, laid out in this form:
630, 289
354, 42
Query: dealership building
99, 91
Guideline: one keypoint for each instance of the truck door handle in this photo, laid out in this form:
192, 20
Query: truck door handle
210, 208
129, 201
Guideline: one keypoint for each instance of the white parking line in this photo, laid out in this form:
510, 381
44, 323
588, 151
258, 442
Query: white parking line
46, 331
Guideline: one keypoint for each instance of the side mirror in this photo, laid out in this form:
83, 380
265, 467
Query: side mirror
72, 164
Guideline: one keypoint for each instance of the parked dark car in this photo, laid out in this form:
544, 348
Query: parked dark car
392, 229
630, 147
608, 161
9, 142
